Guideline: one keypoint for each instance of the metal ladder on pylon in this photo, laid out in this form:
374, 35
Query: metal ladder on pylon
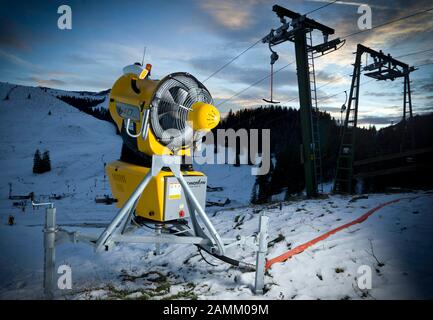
315, 115
408, 136
344, 172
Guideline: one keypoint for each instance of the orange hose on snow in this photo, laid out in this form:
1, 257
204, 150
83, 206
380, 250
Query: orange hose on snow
302, 247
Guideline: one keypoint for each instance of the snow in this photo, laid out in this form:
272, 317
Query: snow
76, 94
82, 95
399, 236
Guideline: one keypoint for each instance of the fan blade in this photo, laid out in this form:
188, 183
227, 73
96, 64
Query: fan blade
169, 119
172, 114
169, 105
179, 94
167, 96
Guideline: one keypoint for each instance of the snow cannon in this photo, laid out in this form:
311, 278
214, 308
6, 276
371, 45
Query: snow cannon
161, 121
167, 117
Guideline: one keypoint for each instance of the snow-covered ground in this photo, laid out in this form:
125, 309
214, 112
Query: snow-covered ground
395, 242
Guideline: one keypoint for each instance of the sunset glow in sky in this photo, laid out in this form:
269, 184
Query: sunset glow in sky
200, 36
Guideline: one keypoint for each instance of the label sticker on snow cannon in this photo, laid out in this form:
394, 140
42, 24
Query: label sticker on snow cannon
128, 111
174, 191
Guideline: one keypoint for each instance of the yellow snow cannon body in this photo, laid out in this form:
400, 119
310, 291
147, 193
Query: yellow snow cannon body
159, 117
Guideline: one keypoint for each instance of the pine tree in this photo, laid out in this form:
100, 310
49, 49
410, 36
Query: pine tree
263, 183
37, 162
253, 199
46, 162
263, 189
42, 163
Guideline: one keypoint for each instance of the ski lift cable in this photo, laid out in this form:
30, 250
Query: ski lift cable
341, 77
323, 98
321, 7
319, 100
231, 61
404, 55
323, 85
363, 83
255, 83
345, 37
414, 53
253, 45
389, 22
326, 97
424, 64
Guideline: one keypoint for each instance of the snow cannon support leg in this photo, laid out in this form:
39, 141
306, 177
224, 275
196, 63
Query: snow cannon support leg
49, 251
261, 255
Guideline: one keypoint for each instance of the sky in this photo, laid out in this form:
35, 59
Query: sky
200, 36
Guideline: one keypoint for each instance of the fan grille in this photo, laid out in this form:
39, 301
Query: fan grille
170, 106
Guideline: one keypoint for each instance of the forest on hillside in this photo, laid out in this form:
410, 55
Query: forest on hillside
287, 175
88, 105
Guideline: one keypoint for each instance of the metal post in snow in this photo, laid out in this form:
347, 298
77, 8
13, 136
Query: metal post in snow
49, 251
261, 255
158, 230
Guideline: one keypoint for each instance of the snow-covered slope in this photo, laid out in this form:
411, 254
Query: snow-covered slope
395, 242
77, 94
79, 145
33, 118
103, 95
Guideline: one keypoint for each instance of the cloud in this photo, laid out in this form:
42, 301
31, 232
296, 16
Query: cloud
77, 58
213, 32
243, 74
230, 14
423, 85
391, 37
351, 3
14, 59
380, 94
50, 82
378, 120
43, 82
11, 36
324, 77
427, 87
67, 81
239, 21
426, 109
331, 109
